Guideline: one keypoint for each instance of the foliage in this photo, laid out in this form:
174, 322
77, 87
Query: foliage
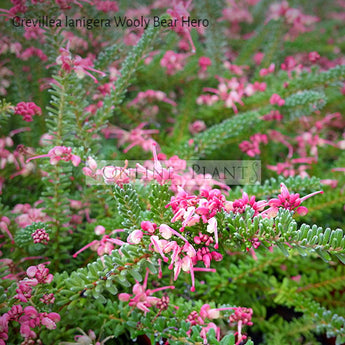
101, 244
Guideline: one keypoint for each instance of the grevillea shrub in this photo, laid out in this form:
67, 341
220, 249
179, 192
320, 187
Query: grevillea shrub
107, 234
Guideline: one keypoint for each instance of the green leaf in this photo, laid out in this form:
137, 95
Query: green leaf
136, 275
228, 340
283, 247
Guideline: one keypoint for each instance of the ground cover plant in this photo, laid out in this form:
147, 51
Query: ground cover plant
107, 234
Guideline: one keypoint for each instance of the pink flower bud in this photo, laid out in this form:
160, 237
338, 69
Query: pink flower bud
212, 225
148, 226
30, 311
313, 56
6, 220
124, 297
197, 126
91, 163
75, 160
258, 57
87, 171
31, 271
165, 231
276, 99
186, 263
99, 230
135, 237
302, 211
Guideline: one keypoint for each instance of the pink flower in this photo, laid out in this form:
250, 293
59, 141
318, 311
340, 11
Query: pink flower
273, 115
27, 110
48, 299
79, 65
252, 148
4, 223
49, 320
117, 175
207, 312
205, 330
294, 18
259, 86
173, 62
158, 246
195, 319
28, 215
141, 297
289, 201
40, 236
313, 56
197, 126
35, 33
176, 163
207, 99
99, 230
83, 66
288, 64
41, 273
137, 136
148, 226
15, 312
229, 91
204, 63
258, 57
46, 139
266, 71
212, 228
276, 99
330, 182
158, 173
165, 231
107, 6
24, 290
135, 237
124, 297
149, 96
104, 246
241, 316
60, 153
66, 4
236, 12
29, 320
178, 13
239, 205
32, 51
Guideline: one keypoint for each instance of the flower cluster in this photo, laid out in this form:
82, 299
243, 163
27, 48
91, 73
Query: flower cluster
141, 297
28, 317
276, 99
150, 96
231, 91
40, 236
28, 214
295, 18
103, 246
77, 64
137, 136
241, 316
59, 153
173, 62
157, 248
251, 148
27, 110
289, 201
